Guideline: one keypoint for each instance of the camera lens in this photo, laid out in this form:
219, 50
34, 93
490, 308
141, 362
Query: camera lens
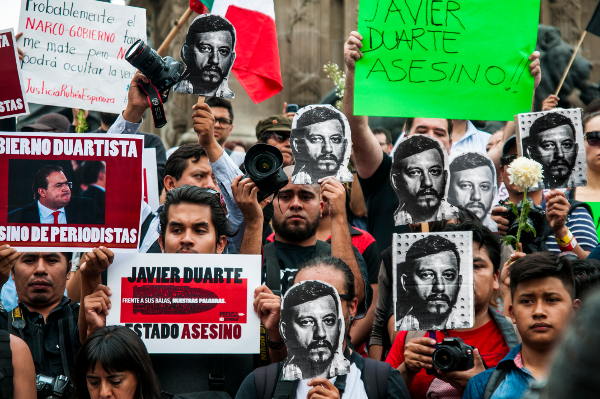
445, 358
264, 164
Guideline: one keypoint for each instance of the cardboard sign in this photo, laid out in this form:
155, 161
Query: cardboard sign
433, 280
12, 101
441, 58
75, 52
183, 303
149, 179
44, 204
555, 139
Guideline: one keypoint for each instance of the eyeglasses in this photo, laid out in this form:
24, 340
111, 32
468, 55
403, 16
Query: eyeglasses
278, 136
66, 183
593, 138
223, 121
507, 159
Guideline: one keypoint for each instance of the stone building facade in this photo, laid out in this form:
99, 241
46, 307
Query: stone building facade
311, 33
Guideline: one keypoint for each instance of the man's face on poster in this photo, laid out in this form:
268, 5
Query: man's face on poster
437, 282
314, 330
556, 150
212, 56
58, 192
473, 189
420, 179
325, 144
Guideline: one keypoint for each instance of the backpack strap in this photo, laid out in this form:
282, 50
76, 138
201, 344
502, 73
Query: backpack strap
494, 382
273, 270
6, 369
265, 379
375, 378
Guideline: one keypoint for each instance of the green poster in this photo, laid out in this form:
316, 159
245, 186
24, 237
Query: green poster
456, 59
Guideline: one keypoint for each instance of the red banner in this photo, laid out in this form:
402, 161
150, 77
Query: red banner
12, 102
70, 191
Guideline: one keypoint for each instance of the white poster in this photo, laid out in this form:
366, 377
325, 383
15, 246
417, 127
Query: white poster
75, 52
182, 303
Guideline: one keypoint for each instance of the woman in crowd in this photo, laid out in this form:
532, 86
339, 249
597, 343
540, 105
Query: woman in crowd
590, 194
114, 363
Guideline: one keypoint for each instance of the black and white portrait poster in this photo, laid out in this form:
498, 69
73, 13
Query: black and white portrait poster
555, 140
208, 53
312, 326
419, 177
321, 144
473, 185
433, 281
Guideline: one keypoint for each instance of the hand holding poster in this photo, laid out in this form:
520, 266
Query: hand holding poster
45, 205
433, 281
81, 45
12, 101
439, 58
182, 303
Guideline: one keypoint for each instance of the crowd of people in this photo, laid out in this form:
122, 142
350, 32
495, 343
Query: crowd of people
55, 304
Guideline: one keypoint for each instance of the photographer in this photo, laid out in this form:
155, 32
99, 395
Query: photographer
46, 319
492, 334
567, 225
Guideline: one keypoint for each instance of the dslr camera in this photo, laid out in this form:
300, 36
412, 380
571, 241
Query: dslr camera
264, 165
163, 73
52, 387
452, 354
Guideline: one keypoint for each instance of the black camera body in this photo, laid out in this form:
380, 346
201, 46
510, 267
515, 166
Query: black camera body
536, 217
264, 165
52, 387
163, 73
452, 354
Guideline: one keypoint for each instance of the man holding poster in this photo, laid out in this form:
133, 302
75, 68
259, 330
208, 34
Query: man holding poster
193, 221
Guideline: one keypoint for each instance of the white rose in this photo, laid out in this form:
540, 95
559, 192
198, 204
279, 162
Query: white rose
525, 173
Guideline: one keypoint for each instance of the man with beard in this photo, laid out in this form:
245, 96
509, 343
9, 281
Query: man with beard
297, 211
367, 378
208, 53
552, 143
473, 185
430, 280
419, 180
319, 145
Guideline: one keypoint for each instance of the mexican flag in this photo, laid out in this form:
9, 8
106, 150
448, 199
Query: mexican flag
257, 54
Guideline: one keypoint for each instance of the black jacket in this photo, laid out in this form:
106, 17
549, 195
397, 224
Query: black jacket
79, 211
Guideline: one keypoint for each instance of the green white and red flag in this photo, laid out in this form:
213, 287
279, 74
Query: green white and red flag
257, 65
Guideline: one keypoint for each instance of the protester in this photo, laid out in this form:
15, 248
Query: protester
275, 130
367, 378
568, 226
542, 291
372, 165
590, 193
46, 319
50, 123
384, 138
467, 138
114, 363
17, 379
491, 335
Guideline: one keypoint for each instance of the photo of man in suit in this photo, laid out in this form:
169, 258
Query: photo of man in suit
54, 203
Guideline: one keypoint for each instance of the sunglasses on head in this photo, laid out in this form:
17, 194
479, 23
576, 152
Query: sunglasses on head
593, 138
507, 159
279, 136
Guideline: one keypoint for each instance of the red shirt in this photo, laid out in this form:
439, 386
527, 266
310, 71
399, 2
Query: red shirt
487, 338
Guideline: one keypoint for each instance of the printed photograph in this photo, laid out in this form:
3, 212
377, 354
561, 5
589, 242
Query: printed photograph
433, 281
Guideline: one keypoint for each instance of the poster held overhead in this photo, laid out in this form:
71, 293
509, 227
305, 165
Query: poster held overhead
81, 45
555, 139
433, 281
12, 99
438, 59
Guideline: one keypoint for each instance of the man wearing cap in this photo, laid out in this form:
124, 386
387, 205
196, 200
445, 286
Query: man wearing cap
51, 123
275, 130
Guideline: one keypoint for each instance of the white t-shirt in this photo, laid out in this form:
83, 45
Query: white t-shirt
355, 389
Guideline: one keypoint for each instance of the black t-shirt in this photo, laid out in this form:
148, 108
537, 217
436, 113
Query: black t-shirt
381, 203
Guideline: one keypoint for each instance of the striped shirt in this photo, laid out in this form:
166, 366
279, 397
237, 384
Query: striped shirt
581, 224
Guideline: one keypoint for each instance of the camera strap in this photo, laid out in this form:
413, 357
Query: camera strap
155, 103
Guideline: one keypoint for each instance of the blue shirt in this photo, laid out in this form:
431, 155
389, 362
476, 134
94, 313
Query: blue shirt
515, 383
